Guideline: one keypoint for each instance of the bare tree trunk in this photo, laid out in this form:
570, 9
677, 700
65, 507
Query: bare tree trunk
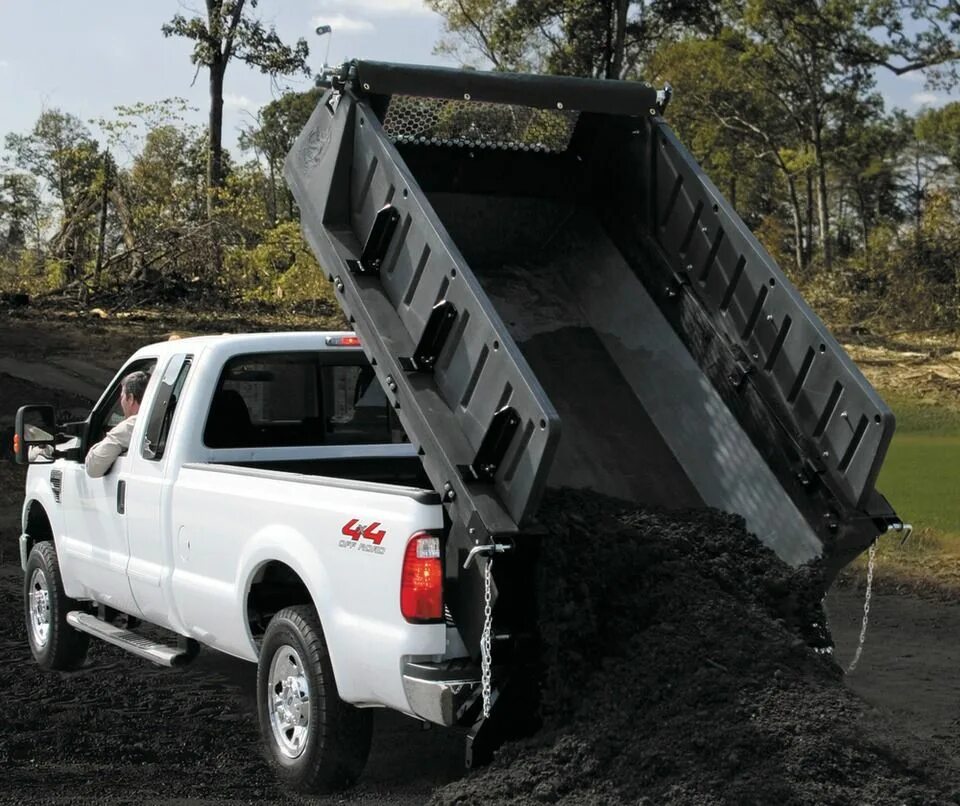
797, 222
215, 147
808, 243
138, 270
864, 227
273, 211
620, 39
102, 233
607, 71
823, 210
215, 158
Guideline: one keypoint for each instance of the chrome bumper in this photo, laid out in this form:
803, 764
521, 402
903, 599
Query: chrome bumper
440, 692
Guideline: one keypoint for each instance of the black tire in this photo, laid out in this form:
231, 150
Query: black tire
329, 751
63, 647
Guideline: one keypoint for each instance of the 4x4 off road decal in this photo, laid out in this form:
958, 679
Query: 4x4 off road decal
357, 531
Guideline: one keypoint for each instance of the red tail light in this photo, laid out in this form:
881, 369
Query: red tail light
421, 584
343, 341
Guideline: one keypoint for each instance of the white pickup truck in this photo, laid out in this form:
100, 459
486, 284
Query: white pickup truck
271, 507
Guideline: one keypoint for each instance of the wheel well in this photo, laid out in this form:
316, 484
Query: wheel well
274, 587
38, 524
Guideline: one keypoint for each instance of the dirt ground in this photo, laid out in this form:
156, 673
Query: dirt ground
121, 730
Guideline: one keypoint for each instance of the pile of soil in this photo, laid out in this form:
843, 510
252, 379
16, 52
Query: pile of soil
685, 663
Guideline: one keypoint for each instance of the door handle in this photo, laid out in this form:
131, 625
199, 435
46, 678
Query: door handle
121, 496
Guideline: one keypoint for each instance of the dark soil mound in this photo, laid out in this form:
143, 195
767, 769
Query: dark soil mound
686, 664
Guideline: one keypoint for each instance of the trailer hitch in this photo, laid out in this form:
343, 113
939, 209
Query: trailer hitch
905, 529
486, 549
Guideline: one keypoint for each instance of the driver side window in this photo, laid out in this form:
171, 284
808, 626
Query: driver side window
109, 413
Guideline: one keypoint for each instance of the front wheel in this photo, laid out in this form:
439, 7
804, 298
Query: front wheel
316, 741
53, 642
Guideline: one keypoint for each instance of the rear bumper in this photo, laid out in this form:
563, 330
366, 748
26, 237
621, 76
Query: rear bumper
441, 692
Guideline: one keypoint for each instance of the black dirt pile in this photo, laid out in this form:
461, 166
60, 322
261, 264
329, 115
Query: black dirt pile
685, 664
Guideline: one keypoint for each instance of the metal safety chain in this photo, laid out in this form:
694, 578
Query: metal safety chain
485, 638
866, 608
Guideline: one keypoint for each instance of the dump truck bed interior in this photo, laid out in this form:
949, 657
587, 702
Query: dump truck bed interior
553, 293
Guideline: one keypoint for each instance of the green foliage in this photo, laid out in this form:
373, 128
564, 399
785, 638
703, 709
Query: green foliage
59, 151
228, 32
278, 125
940, 129
600, 38
278, 268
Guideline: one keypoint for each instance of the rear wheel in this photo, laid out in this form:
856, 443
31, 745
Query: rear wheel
316, 741
53, 642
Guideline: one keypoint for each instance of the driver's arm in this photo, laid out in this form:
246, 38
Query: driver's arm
100, 457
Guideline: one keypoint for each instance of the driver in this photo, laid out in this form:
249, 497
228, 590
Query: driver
100, 457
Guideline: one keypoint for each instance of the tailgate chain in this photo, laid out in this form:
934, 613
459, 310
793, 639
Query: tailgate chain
485, 654
486, 637
866, 607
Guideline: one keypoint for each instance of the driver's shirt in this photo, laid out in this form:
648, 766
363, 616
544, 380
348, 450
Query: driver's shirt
100, 457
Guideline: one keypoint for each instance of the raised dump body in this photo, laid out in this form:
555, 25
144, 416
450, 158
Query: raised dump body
553, 293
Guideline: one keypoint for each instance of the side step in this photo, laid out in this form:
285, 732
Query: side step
161, 654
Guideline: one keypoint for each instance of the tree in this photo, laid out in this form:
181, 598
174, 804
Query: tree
19, 210
940, 130
229, 33
61, 152
731, 127
278, 125
598, 38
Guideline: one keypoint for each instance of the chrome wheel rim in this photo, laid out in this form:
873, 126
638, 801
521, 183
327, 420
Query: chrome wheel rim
39, 606
288, 701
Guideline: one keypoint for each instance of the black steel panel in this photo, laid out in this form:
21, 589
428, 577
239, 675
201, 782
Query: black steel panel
421, 267
690, 212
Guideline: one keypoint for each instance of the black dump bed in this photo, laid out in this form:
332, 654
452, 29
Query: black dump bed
553, 293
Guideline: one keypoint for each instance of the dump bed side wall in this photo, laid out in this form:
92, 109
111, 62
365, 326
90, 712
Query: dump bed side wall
788, 354
346, 170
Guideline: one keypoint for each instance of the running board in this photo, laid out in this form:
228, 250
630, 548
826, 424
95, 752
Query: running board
158, 653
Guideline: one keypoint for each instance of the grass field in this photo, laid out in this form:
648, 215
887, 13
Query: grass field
921, 476
921, 479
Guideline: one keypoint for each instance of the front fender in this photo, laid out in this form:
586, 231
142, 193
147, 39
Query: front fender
40, 497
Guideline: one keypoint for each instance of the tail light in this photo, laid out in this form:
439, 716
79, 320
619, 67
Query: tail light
343, 341
421, 583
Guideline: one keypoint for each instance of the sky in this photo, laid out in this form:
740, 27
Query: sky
88, 57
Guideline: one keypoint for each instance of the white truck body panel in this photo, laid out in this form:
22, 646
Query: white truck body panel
195, 531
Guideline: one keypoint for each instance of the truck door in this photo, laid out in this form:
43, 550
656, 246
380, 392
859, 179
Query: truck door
150, 476
96, 537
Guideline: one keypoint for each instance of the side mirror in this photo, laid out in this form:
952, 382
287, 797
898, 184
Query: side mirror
34, 436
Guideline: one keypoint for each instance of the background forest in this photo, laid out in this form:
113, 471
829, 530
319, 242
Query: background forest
777, 100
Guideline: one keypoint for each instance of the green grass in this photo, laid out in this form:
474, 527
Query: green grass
917, 416
921, 475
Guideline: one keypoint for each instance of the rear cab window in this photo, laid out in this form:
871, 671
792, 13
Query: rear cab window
299, 399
